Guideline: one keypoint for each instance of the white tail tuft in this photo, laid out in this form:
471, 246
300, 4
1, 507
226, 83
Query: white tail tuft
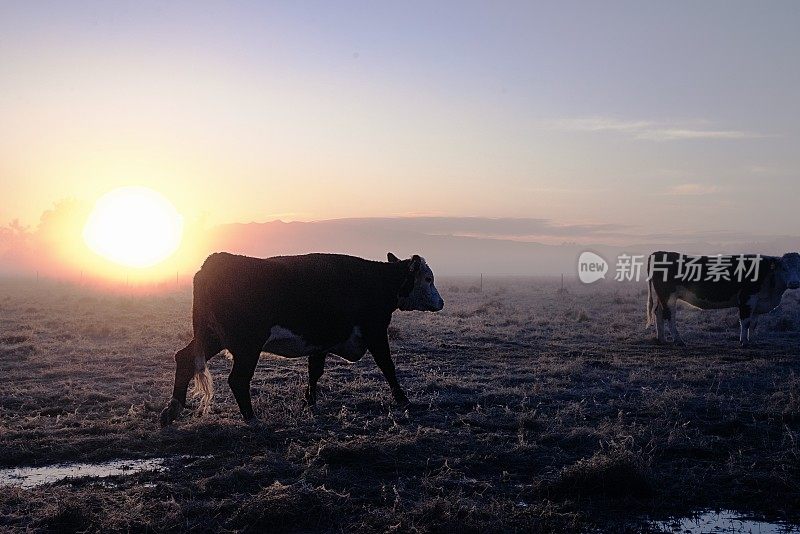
203, 384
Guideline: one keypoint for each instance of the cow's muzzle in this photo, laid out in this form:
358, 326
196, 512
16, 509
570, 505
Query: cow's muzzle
794, 285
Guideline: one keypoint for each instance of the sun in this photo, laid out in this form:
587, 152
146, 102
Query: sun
133, 226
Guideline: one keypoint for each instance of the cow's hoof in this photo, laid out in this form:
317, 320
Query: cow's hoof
310, 398
165, 419
254, 422
170, 413
413, 408
401, 400
310, 407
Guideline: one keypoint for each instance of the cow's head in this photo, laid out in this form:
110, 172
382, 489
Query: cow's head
789, 270
417, 291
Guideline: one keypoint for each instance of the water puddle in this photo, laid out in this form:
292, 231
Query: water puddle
30, 477
726, 521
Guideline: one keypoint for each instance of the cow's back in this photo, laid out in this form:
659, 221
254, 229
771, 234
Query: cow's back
670, 277
318, 296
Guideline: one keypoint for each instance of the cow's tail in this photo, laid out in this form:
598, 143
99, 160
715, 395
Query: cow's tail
203, 383
651, 305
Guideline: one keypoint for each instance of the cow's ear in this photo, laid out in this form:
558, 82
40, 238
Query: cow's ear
392, 258
415, 263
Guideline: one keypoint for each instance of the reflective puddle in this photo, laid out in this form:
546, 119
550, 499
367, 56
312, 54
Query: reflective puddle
726, 521
30, 477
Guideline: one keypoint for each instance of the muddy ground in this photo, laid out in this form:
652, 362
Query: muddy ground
533, 410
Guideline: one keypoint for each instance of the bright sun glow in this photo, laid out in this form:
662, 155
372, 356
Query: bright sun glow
133, 226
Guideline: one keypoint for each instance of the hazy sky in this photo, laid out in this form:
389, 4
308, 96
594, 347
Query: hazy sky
665, 117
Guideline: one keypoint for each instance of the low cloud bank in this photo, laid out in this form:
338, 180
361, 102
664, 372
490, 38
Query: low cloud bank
453, 245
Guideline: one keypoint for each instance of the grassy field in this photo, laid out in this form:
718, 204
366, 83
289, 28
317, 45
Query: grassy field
533, 410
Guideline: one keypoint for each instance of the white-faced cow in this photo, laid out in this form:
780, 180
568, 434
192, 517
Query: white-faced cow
752, 283
295, 306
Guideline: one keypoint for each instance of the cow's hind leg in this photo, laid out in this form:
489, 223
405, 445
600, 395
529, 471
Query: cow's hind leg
203, 347
316, 366
245, 360
673, 328
184, 370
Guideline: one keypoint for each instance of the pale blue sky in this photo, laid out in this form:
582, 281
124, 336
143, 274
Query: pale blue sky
664, 117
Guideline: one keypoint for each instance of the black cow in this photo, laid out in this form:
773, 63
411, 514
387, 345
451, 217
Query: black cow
752, 283
295, 306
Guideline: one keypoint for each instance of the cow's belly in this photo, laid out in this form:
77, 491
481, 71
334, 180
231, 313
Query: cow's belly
705, 302
353, 348
284, 342
765, 305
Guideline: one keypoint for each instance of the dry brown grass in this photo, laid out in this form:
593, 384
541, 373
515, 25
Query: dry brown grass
534, 410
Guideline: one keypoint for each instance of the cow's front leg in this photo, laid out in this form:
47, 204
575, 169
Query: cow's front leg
316, 366
380, 351
660, 337
744, 334
744, 325
244, 365
752, 330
